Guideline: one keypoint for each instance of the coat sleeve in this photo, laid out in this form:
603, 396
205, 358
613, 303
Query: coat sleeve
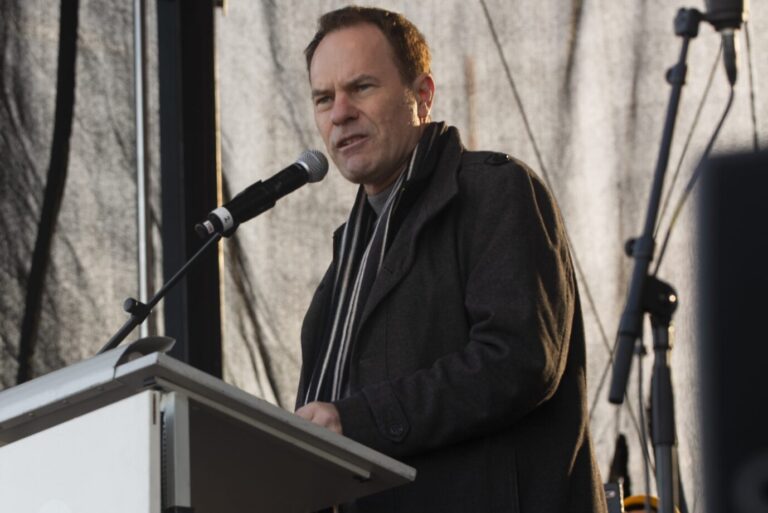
519, 300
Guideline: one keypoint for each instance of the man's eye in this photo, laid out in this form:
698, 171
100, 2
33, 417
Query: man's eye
322, 100
363, 87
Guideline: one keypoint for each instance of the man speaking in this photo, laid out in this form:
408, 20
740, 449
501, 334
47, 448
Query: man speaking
447, 331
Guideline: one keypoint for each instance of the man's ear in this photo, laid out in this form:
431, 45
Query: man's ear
424, 87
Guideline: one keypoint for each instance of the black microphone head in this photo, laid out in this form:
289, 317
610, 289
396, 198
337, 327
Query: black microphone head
727, 13
315, 163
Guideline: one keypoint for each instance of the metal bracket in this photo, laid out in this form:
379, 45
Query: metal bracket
177, 489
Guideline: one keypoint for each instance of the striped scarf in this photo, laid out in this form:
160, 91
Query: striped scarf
364, 243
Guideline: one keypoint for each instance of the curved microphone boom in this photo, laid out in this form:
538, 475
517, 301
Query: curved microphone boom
311, 166
727, 16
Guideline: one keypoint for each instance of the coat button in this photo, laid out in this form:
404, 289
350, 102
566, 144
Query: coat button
396, 429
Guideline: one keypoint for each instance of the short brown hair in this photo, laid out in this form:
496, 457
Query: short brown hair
408, 44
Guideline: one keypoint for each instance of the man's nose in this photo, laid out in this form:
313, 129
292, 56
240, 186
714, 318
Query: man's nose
343, 110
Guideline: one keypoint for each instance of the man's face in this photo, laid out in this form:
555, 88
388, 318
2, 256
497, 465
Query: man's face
367, 116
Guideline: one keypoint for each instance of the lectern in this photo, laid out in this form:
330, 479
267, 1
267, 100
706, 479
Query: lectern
133, 430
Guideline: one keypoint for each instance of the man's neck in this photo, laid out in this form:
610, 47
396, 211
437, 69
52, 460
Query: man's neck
374, 189
377, 201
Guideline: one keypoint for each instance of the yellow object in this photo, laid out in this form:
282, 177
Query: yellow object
637, 503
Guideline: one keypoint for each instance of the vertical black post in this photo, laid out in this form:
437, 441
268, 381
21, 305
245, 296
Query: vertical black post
189, 176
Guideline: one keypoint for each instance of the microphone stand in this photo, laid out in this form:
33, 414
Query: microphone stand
140, 311
647, 294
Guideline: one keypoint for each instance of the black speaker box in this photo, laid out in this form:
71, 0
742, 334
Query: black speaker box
733, 320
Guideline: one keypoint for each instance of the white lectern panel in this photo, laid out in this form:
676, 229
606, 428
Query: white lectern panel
106, 460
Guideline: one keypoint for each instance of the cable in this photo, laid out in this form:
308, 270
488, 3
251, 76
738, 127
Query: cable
640, 435
600, 385
690, 136
643, 430
692, 182
518, 100
750, 68
625, 405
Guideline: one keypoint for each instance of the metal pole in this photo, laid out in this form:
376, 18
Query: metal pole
141, 188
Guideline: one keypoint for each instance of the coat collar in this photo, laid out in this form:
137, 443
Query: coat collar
439, 191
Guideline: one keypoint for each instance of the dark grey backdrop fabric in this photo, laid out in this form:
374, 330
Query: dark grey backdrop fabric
590, 76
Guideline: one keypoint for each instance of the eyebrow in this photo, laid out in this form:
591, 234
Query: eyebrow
320, 92
356, 80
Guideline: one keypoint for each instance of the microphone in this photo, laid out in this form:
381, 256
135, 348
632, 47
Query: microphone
727, 16
311, 166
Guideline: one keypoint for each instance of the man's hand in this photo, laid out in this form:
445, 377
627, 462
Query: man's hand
323, 414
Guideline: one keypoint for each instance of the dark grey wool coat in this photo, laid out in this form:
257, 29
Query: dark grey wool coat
469, 362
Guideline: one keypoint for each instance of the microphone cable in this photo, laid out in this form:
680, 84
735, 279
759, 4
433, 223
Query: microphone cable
750, 69
687, 143
692, 182
647, 461
697, 171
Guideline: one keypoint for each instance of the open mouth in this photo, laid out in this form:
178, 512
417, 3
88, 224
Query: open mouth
351, 140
